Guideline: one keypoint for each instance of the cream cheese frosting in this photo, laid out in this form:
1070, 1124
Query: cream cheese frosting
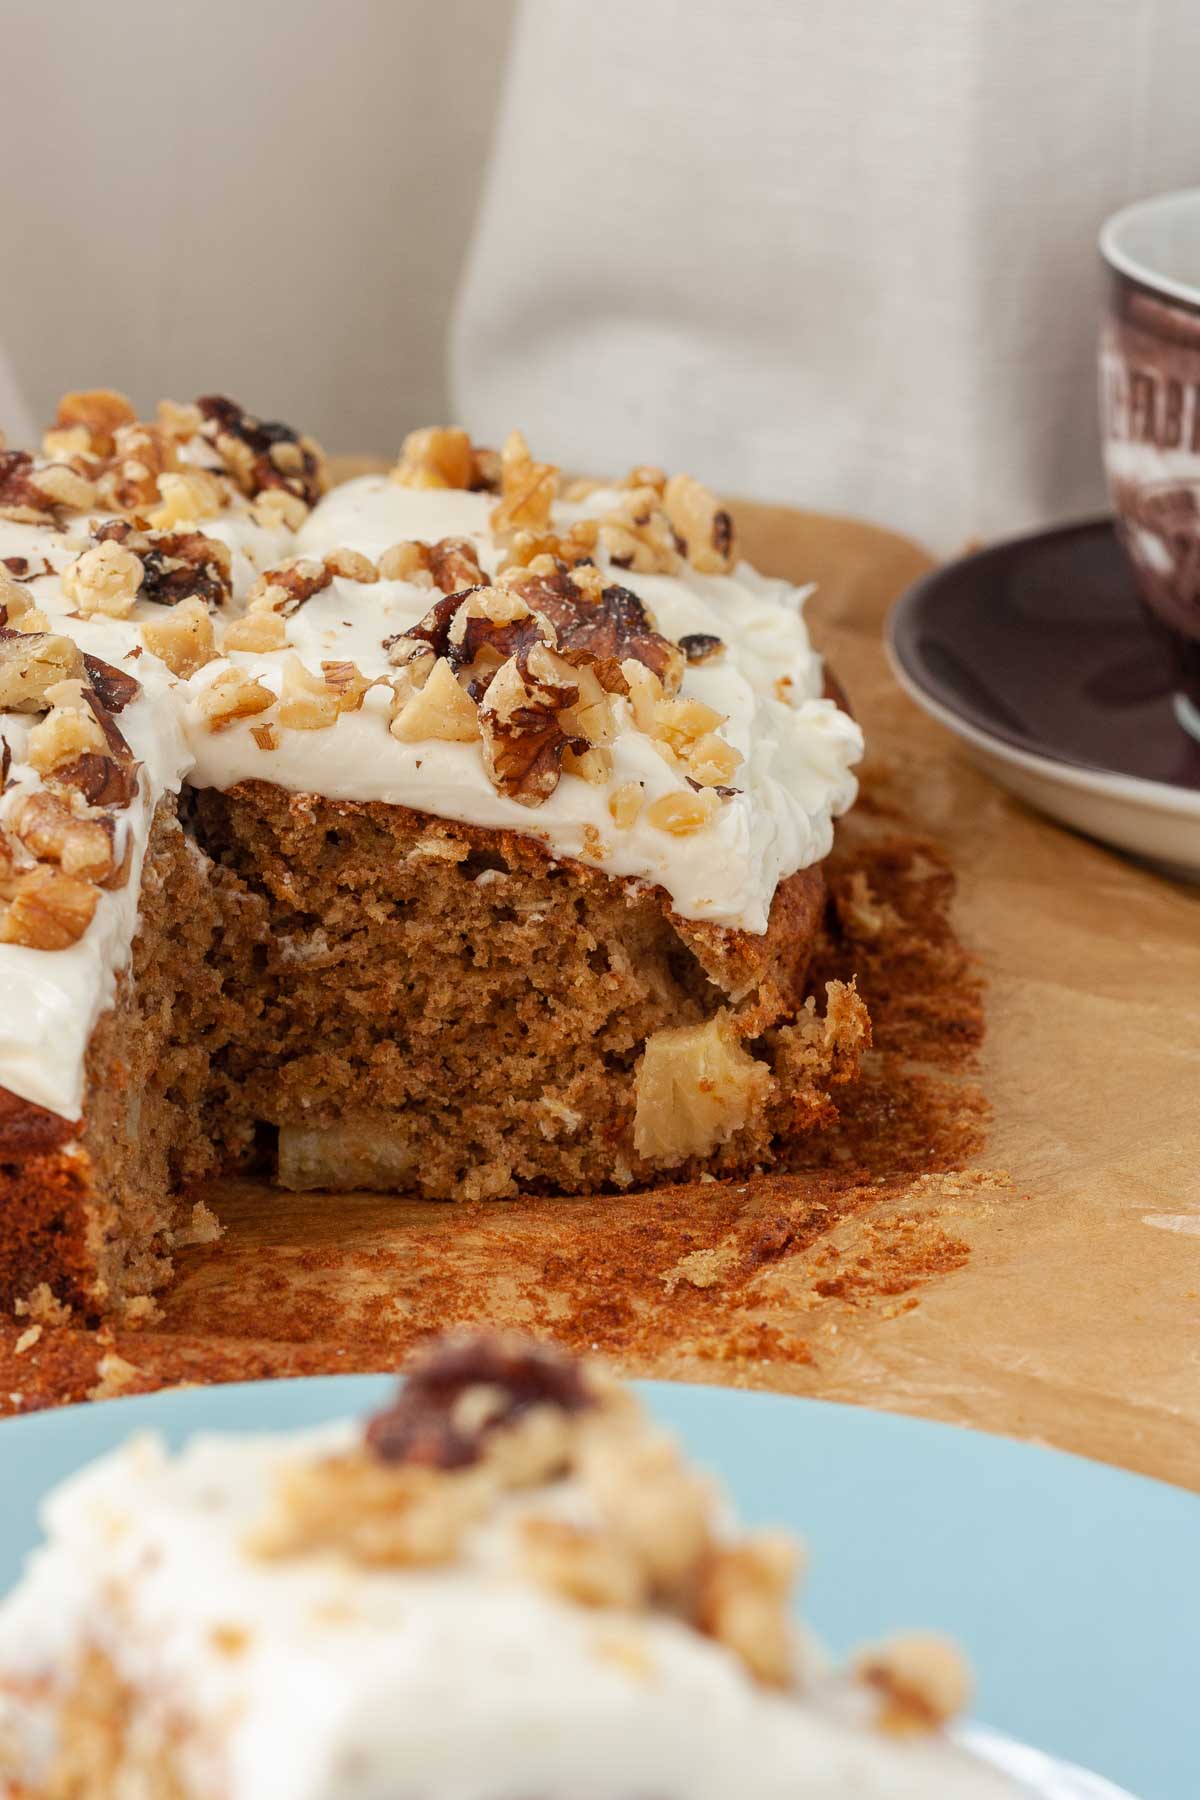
319, 1678
796, 775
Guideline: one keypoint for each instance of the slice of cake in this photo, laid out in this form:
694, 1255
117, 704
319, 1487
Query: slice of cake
456, 832
508, 1585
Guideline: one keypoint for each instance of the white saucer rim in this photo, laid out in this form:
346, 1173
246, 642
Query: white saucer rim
1137, 790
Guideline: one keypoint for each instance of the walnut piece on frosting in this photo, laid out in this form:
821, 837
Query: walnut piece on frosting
96, 414
437, 456
231, 696
52, 831
47, 910
257, 632
638, 535
701, 524
69, 731
31, 663
742, 1602
187, 495
527, 491
438, 709
105, 579
260, 454
182, 638
922, 1680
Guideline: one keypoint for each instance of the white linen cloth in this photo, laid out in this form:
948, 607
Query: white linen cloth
839, 255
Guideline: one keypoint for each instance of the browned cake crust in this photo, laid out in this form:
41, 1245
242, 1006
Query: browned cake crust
365, 996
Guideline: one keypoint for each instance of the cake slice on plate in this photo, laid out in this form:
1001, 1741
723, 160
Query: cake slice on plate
457, 831
507, 1584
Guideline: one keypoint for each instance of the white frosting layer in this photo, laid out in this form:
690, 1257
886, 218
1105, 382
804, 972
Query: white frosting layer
313, 1678
796, 777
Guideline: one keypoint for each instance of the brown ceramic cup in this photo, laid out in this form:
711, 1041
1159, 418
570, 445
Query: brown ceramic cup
1150, 417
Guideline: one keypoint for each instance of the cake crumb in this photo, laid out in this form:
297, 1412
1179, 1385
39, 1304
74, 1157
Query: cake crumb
27, 1340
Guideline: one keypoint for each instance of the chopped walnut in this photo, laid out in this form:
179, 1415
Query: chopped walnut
637, 535
142, 454
606, 623
182, 638
67, 733
347, 681
278, 506
285, 589
187, 495
438, 456
650, 1501
31, 664
104, 579
701, 647
52, 832
683, 814
265, 736
377, 1513
465, 1388
440, 709
527, 491
594, 765
257, 632
696, 1086
352, 565
33, 496
14, 600
743, 1600
47, 910
260, 454
112, 687
305, 702
232, 696
102, 779
712, 761
922, 1679
176, 565
406, 561
577, 547
179, 422
592, 1568
523, 741
98, 413
701, 523
625, 803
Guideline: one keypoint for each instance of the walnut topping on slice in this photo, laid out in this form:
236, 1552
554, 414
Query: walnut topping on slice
182, 638
129, 480
187, 495
257, 632
921, 1678
576, 547
231, 696
611, 624
683, 814
637, 534
285, 589
743, 1598
527, 491
47, 910
31, 663
523, 737
102, 779
260, 454
451, 564
439, 708
112, 687
701, 524
590, 1567
305, 703
35, 496
96, 415
701, 647
72, 729
437, 456
176, 565
52, 831
464, 1389
105, 579
696, 1086
625, 803
377, 1514
351, 565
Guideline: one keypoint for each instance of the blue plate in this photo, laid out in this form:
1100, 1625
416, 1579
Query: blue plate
1074, 1587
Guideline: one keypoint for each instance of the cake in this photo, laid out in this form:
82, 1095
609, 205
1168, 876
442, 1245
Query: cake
456, 831
508, 1584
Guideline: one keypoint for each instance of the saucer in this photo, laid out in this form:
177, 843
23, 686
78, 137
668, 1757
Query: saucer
1037, 655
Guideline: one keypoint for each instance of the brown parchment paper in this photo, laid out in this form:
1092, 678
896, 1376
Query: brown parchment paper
1005, 1233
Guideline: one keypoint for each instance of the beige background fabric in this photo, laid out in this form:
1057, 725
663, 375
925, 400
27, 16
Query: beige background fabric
837, 253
